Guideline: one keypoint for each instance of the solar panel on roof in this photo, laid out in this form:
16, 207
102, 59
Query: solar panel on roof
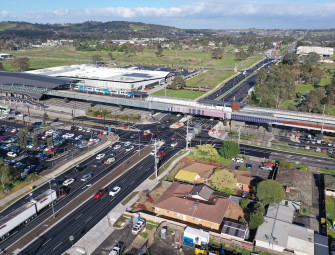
236, 232
227, 230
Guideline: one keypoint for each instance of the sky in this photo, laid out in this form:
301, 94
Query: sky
198, 14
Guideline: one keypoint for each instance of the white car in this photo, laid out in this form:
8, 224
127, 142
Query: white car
174, 144
128, 143
116, 147
114, 191
138, 226
11, 154
100, 156
152, 153
67, 182
130, 148
237, 160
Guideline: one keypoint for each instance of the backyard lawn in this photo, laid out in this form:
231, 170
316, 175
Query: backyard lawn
330, 208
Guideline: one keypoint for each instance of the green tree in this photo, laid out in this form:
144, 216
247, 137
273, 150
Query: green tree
1, 67
159, 51
312, 58
251, 50
205, 153
178, 83
6, 175
290, 59
241, 55
96, 59
223, 179
49, 142
217, 53
255, 220
270, 191
244, 202
229, 149
22, 138
21, 64
45, 117
35, 141
110, 55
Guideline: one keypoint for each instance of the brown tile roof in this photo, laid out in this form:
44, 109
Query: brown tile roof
204, 170
242, 177
298, 184
176, 199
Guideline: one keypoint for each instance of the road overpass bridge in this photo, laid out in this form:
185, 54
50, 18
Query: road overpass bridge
218, 110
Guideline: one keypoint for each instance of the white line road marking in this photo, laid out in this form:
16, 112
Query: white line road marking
78, 216
57, 246
88, 219
47, 242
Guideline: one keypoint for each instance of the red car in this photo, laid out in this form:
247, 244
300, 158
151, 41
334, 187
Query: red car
51, 149
268, 163
161, 154
100, 133
174, 137
100, 193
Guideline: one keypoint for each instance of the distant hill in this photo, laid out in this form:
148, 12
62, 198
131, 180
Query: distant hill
93, 30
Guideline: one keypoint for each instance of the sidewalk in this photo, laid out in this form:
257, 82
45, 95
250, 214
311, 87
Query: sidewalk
17, 194
101, 231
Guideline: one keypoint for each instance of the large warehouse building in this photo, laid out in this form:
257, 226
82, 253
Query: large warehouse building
324, 52
120, 81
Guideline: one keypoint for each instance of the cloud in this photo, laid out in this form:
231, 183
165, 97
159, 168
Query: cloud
215, 10
5, 14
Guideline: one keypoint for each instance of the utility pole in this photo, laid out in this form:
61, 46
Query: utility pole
156, 168
187, 136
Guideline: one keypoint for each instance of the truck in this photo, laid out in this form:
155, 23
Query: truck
25, 213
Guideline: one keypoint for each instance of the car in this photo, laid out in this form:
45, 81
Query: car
110, 161
68, 182
117, 249
244, 193
174, 144
100, 156
130, 148
249, 166
237, 160
30, 145
114, 191
161, 154
174, 137
330, 150
269, 163
324, 150
307, 147
318, 149
100, 193
138, 226
97, 163
39, 168
128, 143
133, 136
330, 144
117, 146
11, 154
113, 153
79, 137
51, 149
80, 167
41, 147
152, 153
58, 181
268, 168
86, 177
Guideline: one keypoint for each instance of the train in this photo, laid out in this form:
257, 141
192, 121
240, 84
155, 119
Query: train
25, 213
120, 92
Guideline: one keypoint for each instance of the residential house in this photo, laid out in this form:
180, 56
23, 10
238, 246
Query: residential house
329, 181
197, 205
278, 233
297, 185
243, 181
203, 170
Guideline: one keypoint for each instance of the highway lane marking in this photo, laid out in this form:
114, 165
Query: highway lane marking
47, 242
88, 219
78, 216
57, 246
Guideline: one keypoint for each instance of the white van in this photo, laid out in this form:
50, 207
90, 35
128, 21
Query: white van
268, 168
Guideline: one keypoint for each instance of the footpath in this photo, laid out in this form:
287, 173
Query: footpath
93, 240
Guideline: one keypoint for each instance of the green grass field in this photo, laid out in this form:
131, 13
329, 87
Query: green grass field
189, 94
330, 208
171, 58
304, 88
5, 25
209, 79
